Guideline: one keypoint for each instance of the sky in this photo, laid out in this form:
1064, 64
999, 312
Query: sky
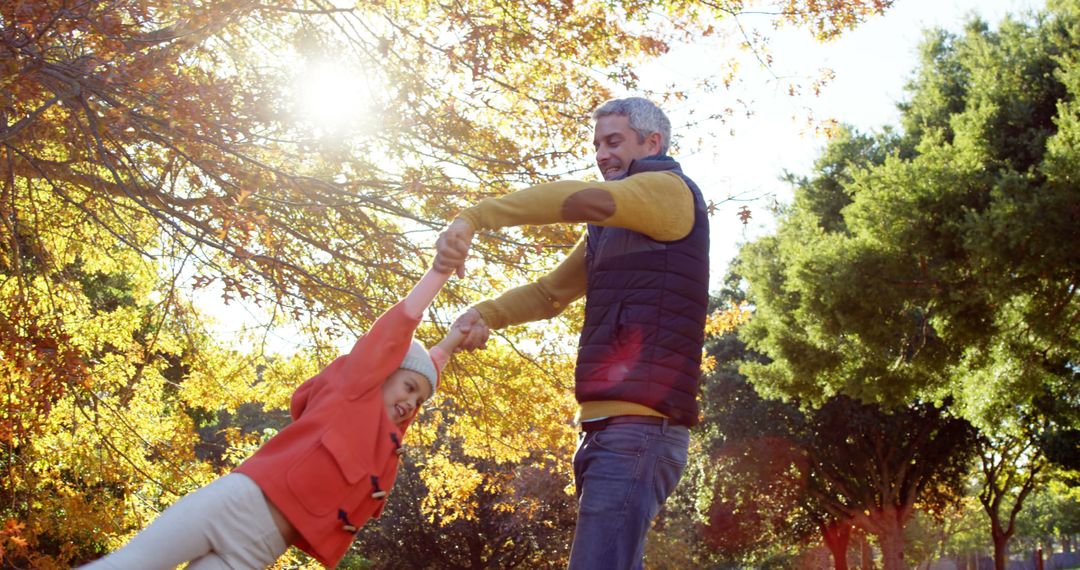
871, 65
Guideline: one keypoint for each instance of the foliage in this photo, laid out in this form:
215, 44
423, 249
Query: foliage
767, 479
1051, 515
940, 264
874, 467
909, 266
521, 517
1011, 466
963, 529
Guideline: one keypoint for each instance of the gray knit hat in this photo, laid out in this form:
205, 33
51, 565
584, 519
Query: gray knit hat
418, 360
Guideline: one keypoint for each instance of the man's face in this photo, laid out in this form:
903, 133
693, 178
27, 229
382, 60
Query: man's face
403, 392
617, 144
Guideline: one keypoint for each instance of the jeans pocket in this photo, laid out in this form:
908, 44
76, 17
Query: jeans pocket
672, 451
666, 476
622, 440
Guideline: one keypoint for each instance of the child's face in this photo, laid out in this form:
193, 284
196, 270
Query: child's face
403, 392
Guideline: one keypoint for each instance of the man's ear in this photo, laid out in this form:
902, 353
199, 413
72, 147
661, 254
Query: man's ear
653, 143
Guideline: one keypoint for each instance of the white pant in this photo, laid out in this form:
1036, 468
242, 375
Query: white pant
225, 525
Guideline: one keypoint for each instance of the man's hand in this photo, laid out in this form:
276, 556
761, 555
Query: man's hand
452, 248
476, 331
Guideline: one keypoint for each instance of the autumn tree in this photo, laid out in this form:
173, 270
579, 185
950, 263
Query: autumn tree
523, 518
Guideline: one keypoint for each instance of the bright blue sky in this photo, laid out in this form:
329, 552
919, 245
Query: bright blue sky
871, 65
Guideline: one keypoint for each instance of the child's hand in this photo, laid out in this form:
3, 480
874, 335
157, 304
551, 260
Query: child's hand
442, 351
452, 247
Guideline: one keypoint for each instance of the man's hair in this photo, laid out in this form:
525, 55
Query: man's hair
645, 118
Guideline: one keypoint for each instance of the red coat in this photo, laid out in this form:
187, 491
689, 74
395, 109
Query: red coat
329, 470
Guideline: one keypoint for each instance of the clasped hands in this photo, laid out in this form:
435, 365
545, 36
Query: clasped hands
451, 250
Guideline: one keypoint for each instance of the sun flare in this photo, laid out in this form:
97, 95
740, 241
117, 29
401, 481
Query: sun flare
331, 97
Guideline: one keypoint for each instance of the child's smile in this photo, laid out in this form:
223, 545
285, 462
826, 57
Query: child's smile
403, 393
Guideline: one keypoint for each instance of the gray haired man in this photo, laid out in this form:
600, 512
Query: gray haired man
642, 265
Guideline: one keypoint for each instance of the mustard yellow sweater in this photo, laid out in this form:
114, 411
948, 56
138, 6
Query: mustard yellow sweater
657, 204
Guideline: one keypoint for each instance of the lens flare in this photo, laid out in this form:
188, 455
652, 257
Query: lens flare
331, 97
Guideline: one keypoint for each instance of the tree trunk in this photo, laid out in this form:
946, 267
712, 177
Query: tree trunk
892, 549
837, 536
890, 534
1001, 551
867, 554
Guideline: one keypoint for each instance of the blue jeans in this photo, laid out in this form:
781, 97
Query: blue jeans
623, 474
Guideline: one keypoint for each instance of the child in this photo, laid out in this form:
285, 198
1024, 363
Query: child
314, 484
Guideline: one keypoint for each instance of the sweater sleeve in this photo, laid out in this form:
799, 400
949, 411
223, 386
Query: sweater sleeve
657, 204
543, 299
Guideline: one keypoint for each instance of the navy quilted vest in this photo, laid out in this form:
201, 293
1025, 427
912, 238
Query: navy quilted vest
645, 312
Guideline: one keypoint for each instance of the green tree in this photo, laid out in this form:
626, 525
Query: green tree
940, 263
1010, 468
909, 266
1051, 517
770, 476
872, 468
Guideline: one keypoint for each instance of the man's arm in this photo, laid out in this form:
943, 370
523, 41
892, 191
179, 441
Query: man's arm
543, 299
657, 204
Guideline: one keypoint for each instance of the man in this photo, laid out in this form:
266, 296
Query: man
643, 267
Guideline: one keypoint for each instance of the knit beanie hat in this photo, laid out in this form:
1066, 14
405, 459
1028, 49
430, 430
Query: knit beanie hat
418, 360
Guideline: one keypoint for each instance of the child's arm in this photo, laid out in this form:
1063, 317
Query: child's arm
441, 352
378, 352
424, 292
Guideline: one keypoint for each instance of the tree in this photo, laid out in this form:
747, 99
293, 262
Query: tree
842, 467
907, 266
965, 533
873, 467
1051, 515
523, 518
939, 263
773, 474
955, 531
1010, 468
